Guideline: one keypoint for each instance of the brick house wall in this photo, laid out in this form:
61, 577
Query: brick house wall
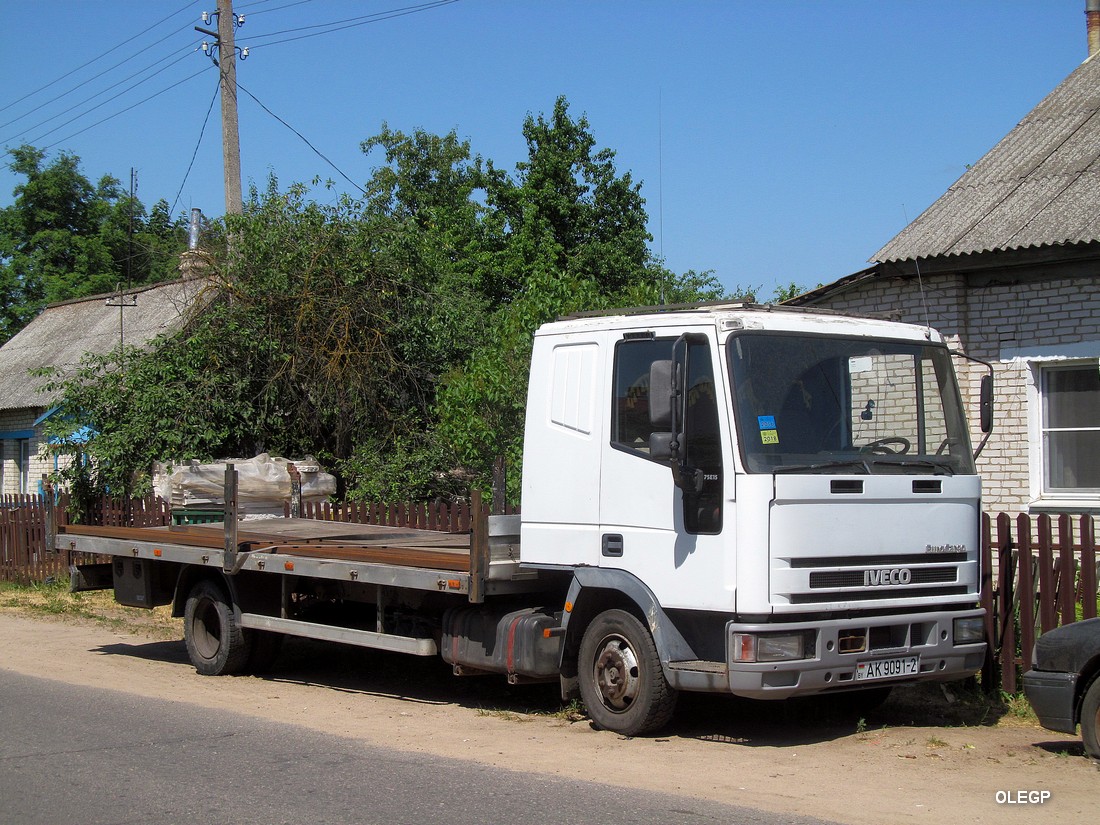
24, 458
1021, 328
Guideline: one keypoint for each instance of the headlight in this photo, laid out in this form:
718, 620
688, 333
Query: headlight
770, 647
969, 630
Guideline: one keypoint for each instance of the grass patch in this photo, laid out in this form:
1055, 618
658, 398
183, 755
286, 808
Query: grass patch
499, 713
571, 712
54, 600
574, 711
1017, 707
958, 704
1081, 609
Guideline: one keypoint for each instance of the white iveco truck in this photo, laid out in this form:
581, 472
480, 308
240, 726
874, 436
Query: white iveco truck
733, 498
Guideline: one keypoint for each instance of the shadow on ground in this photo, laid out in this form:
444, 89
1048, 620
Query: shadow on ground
175, 652
705, 717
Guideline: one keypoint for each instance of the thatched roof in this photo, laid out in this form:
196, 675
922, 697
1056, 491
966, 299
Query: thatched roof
63, 333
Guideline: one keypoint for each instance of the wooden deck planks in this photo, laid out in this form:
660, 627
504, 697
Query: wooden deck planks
339, 541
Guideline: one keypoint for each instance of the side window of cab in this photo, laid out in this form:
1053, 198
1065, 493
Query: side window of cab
630, 425
702, 449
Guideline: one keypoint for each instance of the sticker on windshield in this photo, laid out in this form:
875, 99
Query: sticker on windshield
768, 433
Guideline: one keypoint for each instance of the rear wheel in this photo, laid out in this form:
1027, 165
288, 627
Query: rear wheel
621, 681
216, 644
1090, 719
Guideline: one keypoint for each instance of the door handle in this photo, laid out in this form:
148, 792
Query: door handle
612, 545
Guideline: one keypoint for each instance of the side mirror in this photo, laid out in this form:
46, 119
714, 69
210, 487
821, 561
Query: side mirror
660, 446
660, 395
985, 403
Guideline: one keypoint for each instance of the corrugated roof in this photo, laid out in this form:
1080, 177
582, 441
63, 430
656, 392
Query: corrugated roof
63, 333
1040, 186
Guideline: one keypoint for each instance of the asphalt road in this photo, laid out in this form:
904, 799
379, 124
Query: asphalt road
78, 755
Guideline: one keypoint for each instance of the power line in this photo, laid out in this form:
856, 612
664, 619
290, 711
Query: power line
351, 23
277, 8
195, 154
299, 34
188, 51
134, 106
326, 28
108, 100
303, 138
89, 80
94, 59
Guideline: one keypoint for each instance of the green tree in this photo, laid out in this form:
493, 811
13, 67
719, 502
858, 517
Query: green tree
388, 335
784, 292
298, 350
64, 237
571, 235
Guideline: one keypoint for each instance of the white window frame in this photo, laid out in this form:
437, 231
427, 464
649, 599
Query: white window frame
1043, 499
23, 464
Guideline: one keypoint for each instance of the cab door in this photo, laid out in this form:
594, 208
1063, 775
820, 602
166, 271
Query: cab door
670, 538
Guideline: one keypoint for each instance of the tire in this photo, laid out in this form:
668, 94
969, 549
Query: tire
621, 681
216, 644
1090, 719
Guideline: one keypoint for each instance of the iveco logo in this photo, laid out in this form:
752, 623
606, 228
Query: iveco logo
887, 575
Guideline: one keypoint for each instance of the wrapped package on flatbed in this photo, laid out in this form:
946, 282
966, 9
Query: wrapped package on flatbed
263, 483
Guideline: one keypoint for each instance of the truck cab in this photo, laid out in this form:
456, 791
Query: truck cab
786, 501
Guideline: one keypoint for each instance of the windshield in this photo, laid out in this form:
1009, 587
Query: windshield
809, 403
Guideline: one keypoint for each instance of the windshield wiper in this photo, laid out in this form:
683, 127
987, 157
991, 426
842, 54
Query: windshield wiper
826, 465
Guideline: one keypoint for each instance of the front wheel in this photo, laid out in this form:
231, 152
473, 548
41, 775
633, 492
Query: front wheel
621, 681
216, 644
1090, 719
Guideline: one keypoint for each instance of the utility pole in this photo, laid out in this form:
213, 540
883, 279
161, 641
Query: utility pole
231, 140
227, 66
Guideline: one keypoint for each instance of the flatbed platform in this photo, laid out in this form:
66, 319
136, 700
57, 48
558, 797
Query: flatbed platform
424, 559
309, 538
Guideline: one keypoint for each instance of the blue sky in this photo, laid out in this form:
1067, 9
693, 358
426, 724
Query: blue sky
775, 141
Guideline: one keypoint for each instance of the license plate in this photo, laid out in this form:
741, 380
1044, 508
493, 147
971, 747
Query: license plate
888, 668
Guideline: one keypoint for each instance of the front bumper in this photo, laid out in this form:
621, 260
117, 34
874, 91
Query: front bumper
1052, 695
833, 664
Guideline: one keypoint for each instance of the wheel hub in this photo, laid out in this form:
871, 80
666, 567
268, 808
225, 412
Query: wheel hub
616, 671
207, 630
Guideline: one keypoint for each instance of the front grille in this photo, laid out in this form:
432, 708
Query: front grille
855, 578
876, 577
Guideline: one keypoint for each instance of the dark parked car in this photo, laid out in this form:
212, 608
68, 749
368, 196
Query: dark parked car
1064, 685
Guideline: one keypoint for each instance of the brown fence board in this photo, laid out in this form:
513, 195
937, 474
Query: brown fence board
1025, 569
989, 666
1067, 571
1088, 568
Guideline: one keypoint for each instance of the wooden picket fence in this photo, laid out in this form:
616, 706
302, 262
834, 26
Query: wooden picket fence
1038, 572
436, 515
24, 557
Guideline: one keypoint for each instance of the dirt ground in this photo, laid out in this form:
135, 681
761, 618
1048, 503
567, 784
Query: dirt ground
924, 756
